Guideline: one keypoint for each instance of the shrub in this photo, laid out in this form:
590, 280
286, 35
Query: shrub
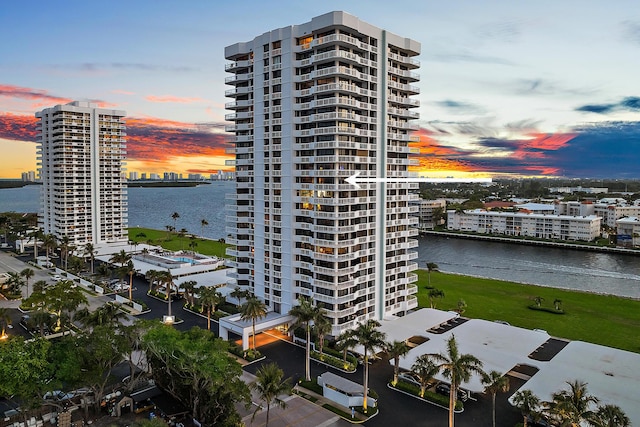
428, 395
333, 361
311, 385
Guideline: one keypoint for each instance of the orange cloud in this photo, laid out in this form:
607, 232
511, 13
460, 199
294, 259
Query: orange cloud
550, 141
31, 94
174, 99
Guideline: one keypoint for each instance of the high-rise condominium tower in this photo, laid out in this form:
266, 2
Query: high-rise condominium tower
312, 105
81, 157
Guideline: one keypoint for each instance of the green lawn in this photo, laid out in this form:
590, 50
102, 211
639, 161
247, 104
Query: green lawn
599, 319
175, 242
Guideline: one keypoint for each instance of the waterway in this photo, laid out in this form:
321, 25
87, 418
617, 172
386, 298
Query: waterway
608, 273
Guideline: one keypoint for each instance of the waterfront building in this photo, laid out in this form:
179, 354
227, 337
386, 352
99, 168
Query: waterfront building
313, 104
154, 176
579, 189
133, 176
609, 212
563, 227
81, 163
29, 176
426, 208
628, 232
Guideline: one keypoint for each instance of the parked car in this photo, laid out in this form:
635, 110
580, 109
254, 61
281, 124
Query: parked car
62, 395
445, 389
409, 378
56, 277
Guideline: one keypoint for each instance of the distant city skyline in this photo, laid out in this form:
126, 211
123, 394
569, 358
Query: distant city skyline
507, 89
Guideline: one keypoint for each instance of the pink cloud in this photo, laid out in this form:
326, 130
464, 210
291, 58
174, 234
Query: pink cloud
174, 99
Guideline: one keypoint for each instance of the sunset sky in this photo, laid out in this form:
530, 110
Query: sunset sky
545, 88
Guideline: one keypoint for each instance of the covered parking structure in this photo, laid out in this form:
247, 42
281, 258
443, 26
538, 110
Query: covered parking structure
612, 375
499, 347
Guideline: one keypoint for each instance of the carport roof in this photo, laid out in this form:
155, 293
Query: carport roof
499, 347
611, 375
344, 385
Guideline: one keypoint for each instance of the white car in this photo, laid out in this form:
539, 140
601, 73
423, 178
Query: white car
56, 277
409, 378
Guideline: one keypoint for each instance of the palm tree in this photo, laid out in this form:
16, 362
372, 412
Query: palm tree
253, 309
239, 293
538, 300
495, 382
27, 273
557, 303
121, 258
192, 242
322, 326
106, 315
175, 217
49, 243
14, 282
5, 320
209, 298
36, 236
90, 250
395, 350
152, 276
189, 289
370, 338
305, 313
433, 294
165, 278
573, 406
64, 249
130, 270
457, 368
431, 266
462, 305
269, 386
203, 224
345, 342
103, 270
425, 369
39, 286
528, 403
610, 416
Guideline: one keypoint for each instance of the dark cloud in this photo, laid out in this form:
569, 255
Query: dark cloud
631, 31
498, 143
630, 103
469, 57
545, 87
458, 106
507, 31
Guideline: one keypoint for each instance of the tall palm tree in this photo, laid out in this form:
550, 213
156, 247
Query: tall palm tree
152, 277
573, 406
431, 266
5, 320
27, 273
165, 278
203, 224
269, 386
14, 282
239, 293
345, 342
90, 250
457, 368
425, 369
130, 270
495, 382
395, 350
50, 244
253, 309
209, 298
189, 289
322, 326
528, 403
36, 236
370, 338
305, 313
610, 416
65, 243
175, 217
105, 315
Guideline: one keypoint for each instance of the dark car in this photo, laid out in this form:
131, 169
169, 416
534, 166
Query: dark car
445, 389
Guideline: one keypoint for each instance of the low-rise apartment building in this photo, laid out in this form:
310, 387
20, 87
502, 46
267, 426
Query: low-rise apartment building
562, 227
628, 232
426, 209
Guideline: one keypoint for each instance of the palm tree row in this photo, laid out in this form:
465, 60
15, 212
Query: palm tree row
572, 407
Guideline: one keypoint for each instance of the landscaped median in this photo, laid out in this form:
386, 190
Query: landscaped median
332, 358
436, 399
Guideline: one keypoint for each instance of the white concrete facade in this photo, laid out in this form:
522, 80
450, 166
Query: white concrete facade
564, 227
425, 212
312, 105
81, 164
628, 231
